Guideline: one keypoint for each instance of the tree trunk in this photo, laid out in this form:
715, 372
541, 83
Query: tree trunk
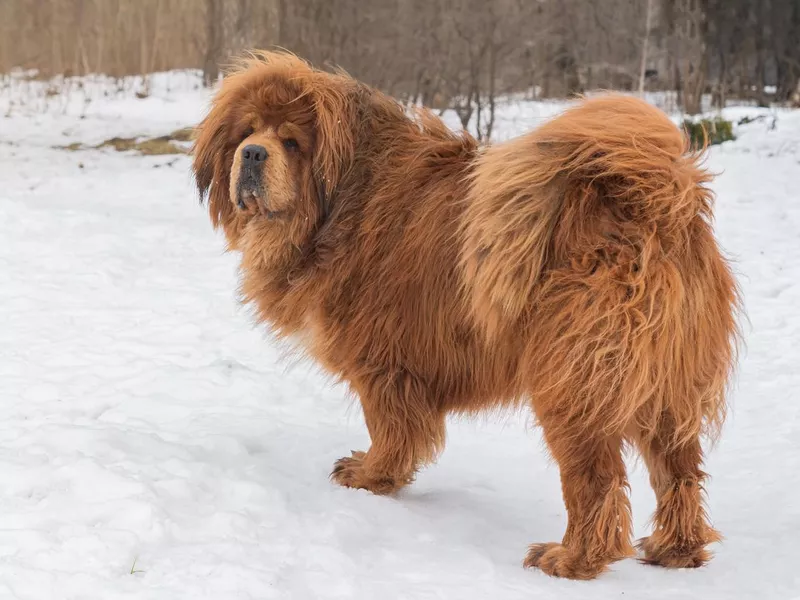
761, 59
722, 84
213, 42
492, 90
645, 44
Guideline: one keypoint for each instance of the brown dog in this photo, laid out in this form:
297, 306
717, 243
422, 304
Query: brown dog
573, 268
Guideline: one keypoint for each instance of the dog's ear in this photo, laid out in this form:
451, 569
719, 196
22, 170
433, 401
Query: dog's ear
213, 151
339, 102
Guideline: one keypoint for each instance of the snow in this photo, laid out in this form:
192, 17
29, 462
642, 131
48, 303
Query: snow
154, 444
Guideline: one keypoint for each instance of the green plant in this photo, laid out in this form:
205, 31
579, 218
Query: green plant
708, 132
134, 570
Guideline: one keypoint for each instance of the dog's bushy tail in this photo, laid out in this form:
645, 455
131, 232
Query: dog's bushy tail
598, 223
608, 148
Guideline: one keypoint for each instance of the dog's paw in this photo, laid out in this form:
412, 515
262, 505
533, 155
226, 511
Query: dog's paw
346, 471
350, 472
672, 557
558, 561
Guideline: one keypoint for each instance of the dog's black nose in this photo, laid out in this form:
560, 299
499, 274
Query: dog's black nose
254, 154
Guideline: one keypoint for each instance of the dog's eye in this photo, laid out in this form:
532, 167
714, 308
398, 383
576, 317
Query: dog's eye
291, 144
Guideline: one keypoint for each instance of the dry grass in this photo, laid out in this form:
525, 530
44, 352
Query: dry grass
155, 146
183, 135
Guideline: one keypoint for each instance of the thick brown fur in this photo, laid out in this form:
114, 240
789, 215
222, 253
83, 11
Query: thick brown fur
573, 268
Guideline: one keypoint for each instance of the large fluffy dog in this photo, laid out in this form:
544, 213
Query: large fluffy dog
573, 269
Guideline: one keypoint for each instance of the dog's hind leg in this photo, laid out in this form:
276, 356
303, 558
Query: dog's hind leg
586, 376
406, 430
594, 485
681, 528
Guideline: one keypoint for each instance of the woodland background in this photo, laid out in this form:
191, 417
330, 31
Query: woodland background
459, 54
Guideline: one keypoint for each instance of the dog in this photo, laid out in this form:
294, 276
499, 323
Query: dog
573, 269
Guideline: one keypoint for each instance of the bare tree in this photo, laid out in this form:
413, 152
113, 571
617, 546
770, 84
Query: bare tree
645, 45
459, 54
213, 54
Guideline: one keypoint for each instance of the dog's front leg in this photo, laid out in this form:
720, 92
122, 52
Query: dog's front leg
407, 429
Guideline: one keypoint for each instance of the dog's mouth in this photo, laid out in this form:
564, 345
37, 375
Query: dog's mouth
252, 197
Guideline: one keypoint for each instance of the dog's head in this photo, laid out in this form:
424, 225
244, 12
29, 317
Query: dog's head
276, 144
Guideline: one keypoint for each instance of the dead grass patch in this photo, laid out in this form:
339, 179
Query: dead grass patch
155, 146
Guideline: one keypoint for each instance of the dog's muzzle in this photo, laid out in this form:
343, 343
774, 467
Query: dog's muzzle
251, 175
250, 191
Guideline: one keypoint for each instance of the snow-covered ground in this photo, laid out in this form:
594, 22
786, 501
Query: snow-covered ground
154, 446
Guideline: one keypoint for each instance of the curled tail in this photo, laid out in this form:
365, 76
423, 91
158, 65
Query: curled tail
597, 227
615, 150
